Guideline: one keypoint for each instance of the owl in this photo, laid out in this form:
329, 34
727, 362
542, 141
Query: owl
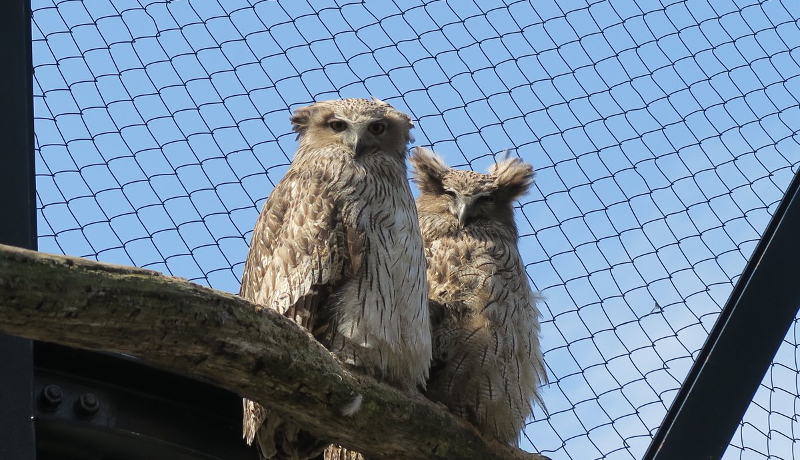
337, 248
487, 364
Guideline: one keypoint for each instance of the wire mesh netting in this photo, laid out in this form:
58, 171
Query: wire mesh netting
663, 133
770, 426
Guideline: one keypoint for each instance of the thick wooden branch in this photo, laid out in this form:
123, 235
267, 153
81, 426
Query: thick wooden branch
223, 339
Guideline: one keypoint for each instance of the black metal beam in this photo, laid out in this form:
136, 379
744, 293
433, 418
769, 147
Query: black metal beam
141, 412
17, 174
17, 218
17, 440
740, 347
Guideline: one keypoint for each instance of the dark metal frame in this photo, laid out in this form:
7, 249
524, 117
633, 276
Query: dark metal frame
99, 405
741, 346
18, 222
17, 168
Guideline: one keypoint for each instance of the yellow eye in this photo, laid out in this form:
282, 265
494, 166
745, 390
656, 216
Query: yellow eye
337, 125
376, 128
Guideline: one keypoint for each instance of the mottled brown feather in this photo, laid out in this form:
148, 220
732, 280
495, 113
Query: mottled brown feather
337, 249
487, 362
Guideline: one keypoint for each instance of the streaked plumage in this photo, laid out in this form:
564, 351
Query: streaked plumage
340, 453
337, 248
487, 364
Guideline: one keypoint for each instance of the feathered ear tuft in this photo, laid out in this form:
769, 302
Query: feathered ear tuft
299, 120
403, 120
512, 177
429, 170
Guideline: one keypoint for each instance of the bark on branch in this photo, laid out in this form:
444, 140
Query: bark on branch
222, 339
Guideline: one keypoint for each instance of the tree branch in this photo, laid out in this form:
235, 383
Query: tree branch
222, 339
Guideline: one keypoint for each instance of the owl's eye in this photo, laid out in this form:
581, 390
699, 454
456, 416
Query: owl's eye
376, 128
337, 125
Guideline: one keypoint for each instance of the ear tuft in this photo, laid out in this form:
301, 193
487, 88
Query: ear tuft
400, 117
429, 169
300, 119
400, 120
513, 177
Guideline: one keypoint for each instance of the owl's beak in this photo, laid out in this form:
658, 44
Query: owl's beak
462, 214
358, 146
463, 205
354, 139
361, 143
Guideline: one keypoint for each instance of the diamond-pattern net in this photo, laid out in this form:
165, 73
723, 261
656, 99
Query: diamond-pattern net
663, 133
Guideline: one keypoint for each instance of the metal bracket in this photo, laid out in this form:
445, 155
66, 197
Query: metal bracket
101, 405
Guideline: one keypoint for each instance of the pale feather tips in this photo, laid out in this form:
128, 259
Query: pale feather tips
429, 169
512, 176
353, 406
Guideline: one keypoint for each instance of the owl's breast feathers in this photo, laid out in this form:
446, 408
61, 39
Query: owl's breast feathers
338, 249
383, 312
487, 365
326, 253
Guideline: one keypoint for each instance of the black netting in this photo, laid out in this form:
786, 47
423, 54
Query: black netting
664, 134
770, 428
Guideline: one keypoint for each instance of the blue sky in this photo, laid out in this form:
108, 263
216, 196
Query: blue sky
663, 134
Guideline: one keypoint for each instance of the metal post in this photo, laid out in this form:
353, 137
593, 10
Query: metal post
17, 219
17, 174
741, 346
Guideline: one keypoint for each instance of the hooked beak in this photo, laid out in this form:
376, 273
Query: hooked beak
463, 205
462, 215
358, 146
361, 143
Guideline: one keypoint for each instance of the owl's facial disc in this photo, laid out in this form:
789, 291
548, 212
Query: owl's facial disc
369, 134
466, 207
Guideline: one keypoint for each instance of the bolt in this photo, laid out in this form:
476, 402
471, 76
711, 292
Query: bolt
87, 405
50, 397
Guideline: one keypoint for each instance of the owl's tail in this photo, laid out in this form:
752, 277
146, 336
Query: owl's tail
277, 439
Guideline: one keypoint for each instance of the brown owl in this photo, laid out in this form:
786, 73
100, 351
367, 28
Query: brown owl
337, 248
487, 364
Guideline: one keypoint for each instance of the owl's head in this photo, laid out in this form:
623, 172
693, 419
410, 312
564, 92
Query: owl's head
469, 195
362, 126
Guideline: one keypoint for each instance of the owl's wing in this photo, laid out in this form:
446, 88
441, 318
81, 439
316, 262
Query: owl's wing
513, 321
300, 249
487, 361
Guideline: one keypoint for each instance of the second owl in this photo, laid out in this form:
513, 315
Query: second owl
487, 364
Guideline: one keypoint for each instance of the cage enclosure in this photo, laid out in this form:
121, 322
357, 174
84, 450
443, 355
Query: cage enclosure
664, 135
